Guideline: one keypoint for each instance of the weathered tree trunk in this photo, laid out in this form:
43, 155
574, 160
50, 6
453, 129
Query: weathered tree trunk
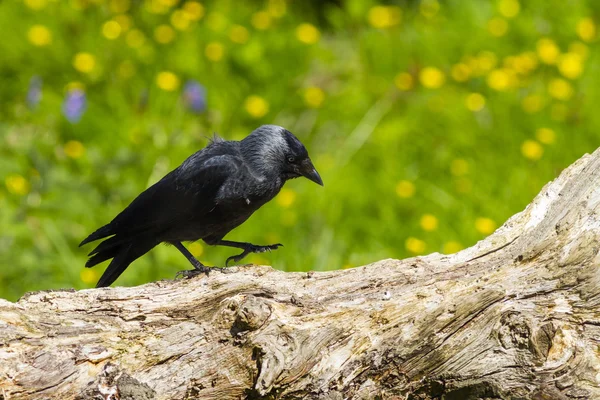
517, 316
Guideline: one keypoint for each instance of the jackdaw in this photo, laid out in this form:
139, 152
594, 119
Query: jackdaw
215, 190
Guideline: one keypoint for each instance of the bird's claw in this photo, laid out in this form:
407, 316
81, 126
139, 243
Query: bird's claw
252, 249
190, 273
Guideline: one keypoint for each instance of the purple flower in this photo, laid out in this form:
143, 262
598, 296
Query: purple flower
74, 105
34, 92
194, 96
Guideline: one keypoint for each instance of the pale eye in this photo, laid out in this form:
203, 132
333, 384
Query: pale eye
291, 159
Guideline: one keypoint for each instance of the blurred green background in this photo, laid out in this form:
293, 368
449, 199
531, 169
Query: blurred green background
431, 122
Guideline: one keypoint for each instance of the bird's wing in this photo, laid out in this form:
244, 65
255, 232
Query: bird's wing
189, 190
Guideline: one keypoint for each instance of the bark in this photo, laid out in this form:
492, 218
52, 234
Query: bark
517, 316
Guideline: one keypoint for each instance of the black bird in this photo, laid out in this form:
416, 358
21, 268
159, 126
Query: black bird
215, 190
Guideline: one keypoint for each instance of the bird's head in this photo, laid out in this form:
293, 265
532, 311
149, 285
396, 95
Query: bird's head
271, 148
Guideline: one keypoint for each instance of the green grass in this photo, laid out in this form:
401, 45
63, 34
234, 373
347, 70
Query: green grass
447, 98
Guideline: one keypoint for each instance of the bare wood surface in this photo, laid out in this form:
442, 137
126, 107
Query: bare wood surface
517, 316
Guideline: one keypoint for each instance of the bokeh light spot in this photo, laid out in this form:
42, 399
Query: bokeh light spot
545, 135
74, 149
429, 222
39, 35
384, 16
415, 246
314, 97
307, 33
405, 189
485, 225
475, 102
256, 106
167, 80
84, 62
286, 198
532, 150
17, 184
214, 51
431, 77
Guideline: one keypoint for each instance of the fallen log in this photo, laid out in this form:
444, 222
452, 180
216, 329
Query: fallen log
517, 316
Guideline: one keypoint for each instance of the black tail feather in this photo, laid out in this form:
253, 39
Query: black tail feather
106, 230
116, 267
122, 255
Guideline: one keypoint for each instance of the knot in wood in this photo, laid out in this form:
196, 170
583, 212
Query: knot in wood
251, 314
514, 331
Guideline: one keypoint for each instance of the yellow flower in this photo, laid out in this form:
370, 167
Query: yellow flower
525, 63
84, 62
429, 222
307, 33
485, 225
35, 4
256, 106
74, 149
167, 81
196, 249
239, 34
586, 29
89, 275
500, 79
459, 167
193, 10
405, 189
39, 35
548, 51
111, 29
119, 6
314, 97
286, 198
384, 16
403, 81
461, 72
431, 77
429, 8
570, 65
214, 51
135, 38
415, 246
497, 27
164, 34
452, 247
180, 20
532, 103
532, 150
560, 89
475, 102
509, 8
276, 8
261, 20
16, 184
545, 135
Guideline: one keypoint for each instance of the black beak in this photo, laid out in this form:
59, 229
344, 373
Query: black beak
307, 170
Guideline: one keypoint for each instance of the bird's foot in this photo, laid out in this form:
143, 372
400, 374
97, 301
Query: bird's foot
202, 269
252, 248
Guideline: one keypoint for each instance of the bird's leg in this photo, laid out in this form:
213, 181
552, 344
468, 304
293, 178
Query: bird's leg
247, 247
199, 268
